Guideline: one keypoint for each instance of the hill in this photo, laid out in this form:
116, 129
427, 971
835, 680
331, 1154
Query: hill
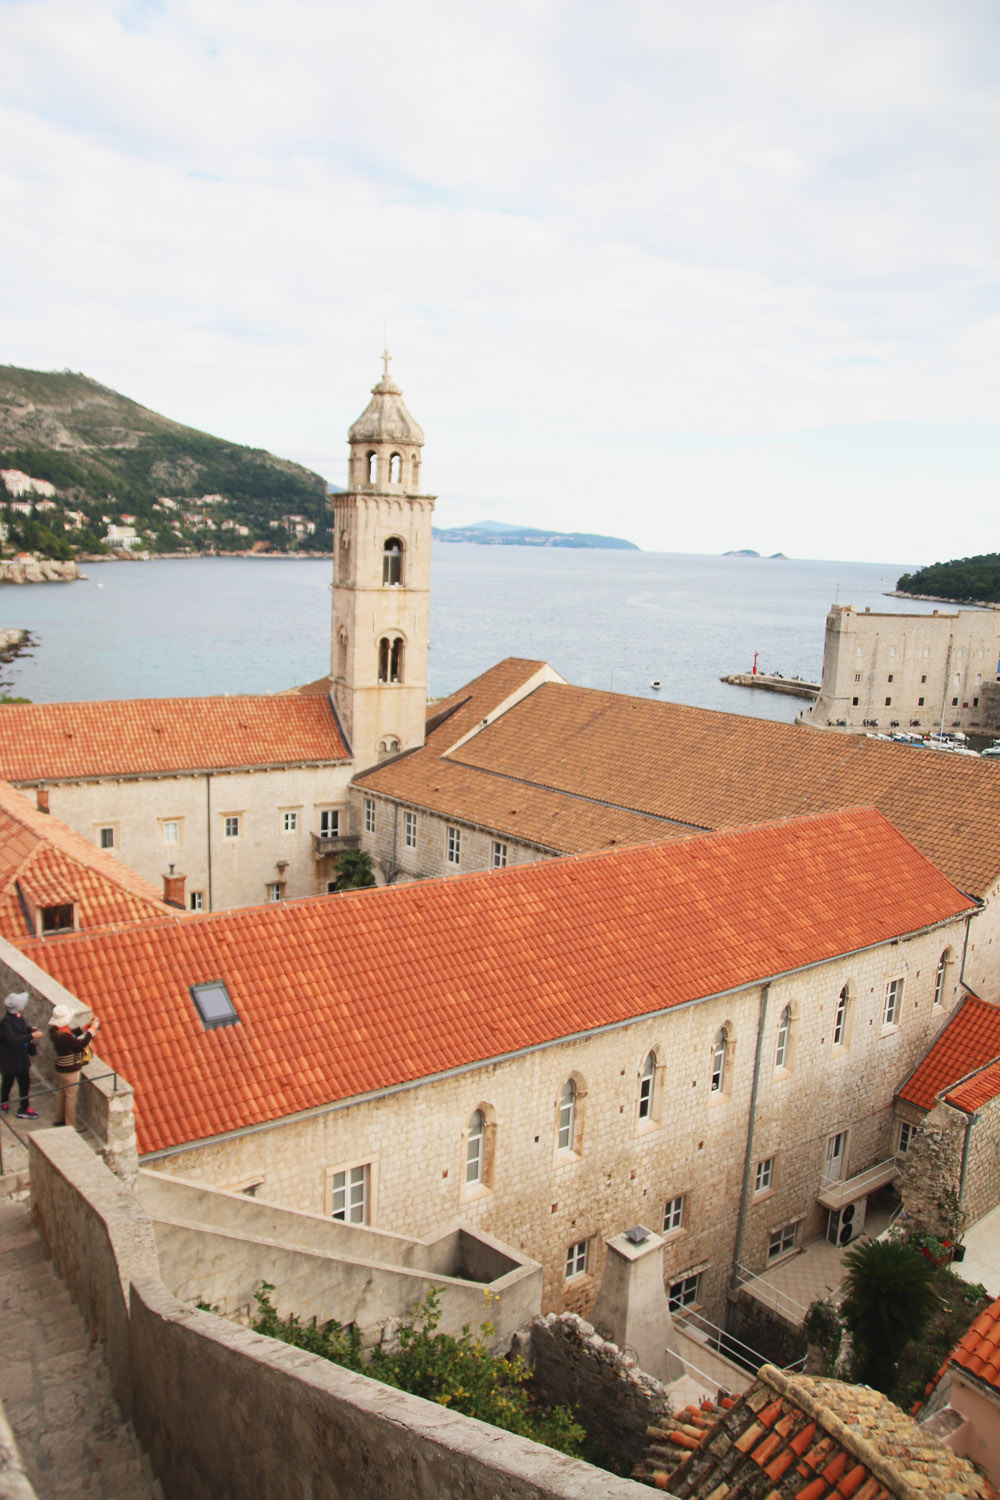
974, 580
108, 456
500, 534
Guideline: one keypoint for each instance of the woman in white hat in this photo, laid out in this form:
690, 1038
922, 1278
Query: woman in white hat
72, 1048
17, 1044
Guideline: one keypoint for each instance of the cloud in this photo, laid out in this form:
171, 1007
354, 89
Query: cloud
622, 256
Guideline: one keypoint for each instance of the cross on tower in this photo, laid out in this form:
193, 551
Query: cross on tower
386, 356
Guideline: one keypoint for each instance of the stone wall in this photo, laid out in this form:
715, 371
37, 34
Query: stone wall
611, 1397
771, 1336
934, 1162
429, 857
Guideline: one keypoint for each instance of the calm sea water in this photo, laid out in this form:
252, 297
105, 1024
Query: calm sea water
603, 619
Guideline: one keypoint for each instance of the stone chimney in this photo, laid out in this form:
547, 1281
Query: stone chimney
631, 1308
42, 798
173, 888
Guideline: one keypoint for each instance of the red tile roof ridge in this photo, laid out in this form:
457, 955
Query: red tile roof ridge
977, 1089
970, 1035
981, 1345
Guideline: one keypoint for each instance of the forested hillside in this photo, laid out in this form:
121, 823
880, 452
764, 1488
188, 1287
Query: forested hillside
108, 456
976, 579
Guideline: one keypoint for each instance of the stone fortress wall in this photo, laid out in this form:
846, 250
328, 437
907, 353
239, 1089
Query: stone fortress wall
926, 672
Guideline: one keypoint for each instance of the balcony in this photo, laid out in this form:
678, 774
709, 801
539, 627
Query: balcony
334, 843
836, 1192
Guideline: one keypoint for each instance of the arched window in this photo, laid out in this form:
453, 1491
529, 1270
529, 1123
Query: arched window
840, 1019
939, 980
383, 659
475, 1143
784, 1032
647, 1087
372, 466
387, 747
396, 660
395, 468
392, 561
567, 1116
719, 1061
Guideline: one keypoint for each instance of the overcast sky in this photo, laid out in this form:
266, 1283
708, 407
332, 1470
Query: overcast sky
706, 275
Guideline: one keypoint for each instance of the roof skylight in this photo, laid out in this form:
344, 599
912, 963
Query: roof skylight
213, 1004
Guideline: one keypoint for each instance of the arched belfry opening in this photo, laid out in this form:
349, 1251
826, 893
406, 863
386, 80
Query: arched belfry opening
381, 588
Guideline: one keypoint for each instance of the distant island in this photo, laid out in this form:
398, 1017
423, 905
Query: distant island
966, 580
499, 534
749, 552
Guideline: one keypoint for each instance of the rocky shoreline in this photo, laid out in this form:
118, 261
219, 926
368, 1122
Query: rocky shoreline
37, 570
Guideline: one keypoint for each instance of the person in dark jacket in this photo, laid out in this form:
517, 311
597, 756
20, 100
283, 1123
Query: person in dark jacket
71, 1045
17, 1044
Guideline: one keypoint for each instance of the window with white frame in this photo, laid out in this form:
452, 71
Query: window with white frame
329, 822
764, 1176
893, 1002
673, 1214
840, 1020
409, 830
231, 826
274, 890
290, 822
454, 845
170, 831
684, 1292
499, 856
647, 1087
836, 1150
197, 900
905, 1137
576, 1259
350, 1195
475, 1148
784, 1032
566, 1128
369, 815
782, 1241
939, 979
106, 837
719, 1062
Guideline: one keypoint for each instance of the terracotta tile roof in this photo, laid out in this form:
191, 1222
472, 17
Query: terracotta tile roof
968, 1042
702, 769
804, 1438
146, 736
978, 1353
47, 863
338, 996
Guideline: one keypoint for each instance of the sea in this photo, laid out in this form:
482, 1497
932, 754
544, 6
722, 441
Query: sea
606, 619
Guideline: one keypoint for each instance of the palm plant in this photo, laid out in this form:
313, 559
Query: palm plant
889, 1297
355, 871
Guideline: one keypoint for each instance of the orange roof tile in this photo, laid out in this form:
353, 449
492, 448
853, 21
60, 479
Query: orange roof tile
968, 1042
590, 758
978, 1353
149, 736
813, 1439
341, 995
43, 861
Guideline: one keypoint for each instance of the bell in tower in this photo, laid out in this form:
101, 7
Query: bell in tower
381, 582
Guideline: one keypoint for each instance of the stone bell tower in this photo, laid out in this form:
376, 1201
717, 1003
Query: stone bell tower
381, 582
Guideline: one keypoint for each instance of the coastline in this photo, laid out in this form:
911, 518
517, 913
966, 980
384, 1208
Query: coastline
940, 599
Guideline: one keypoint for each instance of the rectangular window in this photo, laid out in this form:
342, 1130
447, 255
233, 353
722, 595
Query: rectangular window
924, 678
954, 702
231, 827
454, 845
329, 823
920, 702
890, 676
892, 650
781, 1241
857, 677
289, 822
274, 891
673, 1214
975, 702
861, 650
410, 830
905, 1137
106, 838
499, 855
854, 702
350, 1195
888, 703
893, 1002
369, 815
197, 900
576, 1260
927, 652
171, 831
684, 1293
836, 1147
764, 1175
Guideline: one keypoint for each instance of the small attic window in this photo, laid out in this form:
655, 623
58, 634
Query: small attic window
213, 1004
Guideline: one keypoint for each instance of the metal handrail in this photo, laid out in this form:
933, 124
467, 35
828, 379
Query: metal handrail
746, 1276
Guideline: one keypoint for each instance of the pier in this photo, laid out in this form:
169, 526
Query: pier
773, 682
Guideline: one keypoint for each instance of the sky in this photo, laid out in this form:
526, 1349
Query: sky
706, 276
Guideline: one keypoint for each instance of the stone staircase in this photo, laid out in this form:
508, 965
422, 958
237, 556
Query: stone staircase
73, 1442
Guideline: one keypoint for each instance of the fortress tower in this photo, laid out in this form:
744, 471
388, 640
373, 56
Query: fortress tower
381, 582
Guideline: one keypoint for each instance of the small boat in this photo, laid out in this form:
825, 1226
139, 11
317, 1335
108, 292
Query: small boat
655, 682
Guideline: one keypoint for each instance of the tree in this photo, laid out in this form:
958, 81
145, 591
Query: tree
355, 871
889, 1298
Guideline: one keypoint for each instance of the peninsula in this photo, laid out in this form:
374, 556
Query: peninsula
499, 534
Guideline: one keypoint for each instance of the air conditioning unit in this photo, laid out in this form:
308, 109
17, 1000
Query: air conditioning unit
845, 1224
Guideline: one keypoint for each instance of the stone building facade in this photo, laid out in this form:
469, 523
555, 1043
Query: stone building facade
922, 672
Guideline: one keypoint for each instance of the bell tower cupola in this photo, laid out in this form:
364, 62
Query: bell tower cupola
381, 581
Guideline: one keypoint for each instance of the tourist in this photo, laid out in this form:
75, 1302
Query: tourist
17, 1047
72, 1049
